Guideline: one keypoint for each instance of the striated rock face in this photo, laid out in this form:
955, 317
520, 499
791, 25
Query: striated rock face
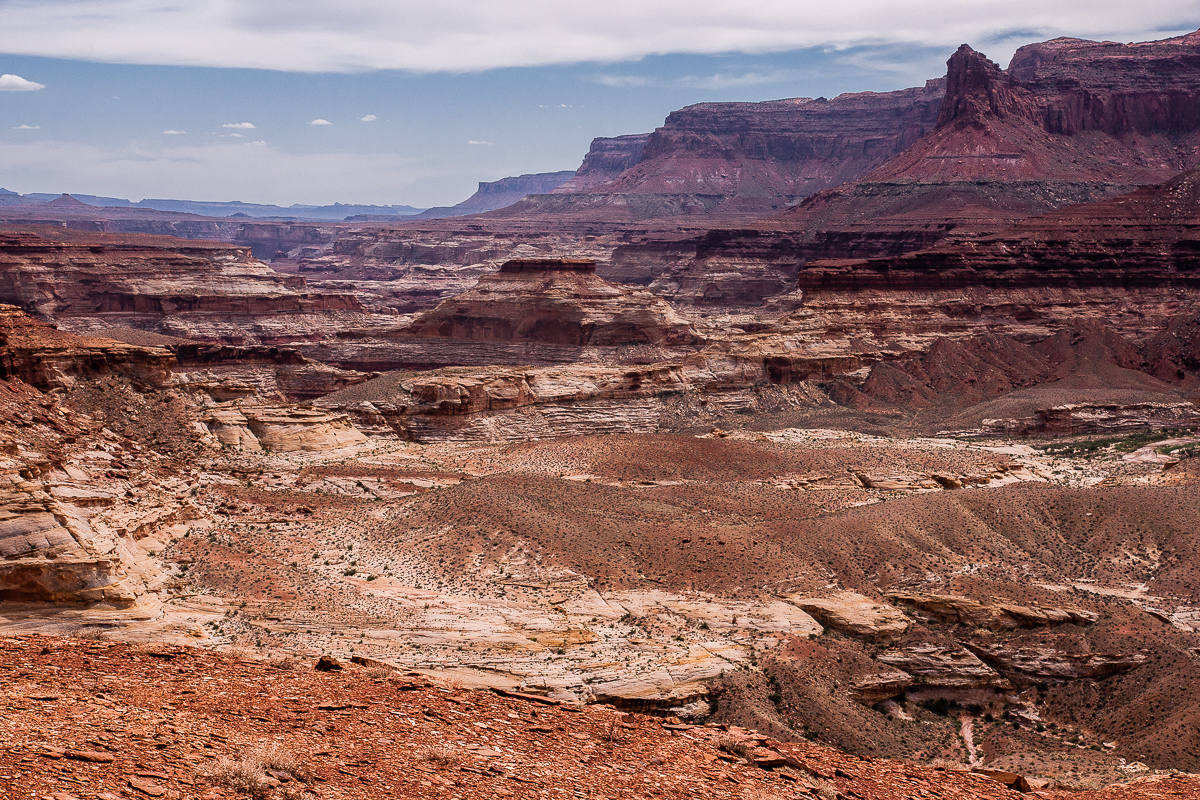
141, 278
48, 358
607, 158
944, 667
852, 613
555, 301
1049, 663
1069, 122
966, 611
76, 529
1150, 237
738, 157
280, 429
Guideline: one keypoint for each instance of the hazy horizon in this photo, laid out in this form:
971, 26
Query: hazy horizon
398, 104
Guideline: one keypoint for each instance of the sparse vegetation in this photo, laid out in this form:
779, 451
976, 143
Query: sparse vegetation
249, 774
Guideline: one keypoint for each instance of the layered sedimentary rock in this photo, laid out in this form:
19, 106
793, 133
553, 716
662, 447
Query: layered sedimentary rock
739, 157
280, 429
90, 280
855, 614
1069, 122
556, 301
99, 274
1000, 615
265, 238
606, 159
1047, 662
47, 358
936, 667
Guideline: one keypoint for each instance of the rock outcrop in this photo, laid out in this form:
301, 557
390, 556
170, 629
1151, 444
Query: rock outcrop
280, 429
140, 281
938, 669
606, 159
855, 614
1069, 122
47, 358
965, 611
746, 157
1047, 663
555, 301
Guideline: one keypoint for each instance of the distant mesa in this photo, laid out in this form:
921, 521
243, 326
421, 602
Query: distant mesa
493, 195
66, 201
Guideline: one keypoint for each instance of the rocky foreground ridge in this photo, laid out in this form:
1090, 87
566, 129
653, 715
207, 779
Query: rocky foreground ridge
628, 570
73, 728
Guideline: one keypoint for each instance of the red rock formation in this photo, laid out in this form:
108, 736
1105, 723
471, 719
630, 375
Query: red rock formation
62, 275
752, 157
556, 301
42, 356
606, 159
1069, 122
1150, 237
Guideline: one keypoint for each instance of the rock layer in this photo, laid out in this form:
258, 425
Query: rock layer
555, 301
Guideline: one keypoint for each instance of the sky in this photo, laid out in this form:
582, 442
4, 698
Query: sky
405, 102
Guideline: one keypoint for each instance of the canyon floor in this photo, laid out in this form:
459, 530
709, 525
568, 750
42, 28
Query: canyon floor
1020, 605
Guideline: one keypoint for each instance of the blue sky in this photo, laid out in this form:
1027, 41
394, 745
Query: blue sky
457, 95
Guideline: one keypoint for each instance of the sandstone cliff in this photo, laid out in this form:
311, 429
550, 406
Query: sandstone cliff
1069, 122
746, 157
46, 358
607, 158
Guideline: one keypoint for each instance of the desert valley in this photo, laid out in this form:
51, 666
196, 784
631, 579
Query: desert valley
838, 448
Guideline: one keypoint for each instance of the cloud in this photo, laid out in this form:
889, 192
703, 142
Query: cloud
467, 35
239, 125
712, 82
258, 143
369, 118
27, 128
475, 141
15, 83
174, 133
320, 121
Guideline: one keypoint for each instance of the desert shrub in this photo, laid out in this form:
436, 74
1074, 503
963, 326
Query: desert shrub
248, 774
440, 755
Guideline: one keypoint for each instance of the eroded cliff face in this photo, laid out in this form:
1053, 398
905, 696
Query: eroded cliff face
1069, 122
44, 357
96, 273
72, 531
607, 158
556, 301
746, 157
492, 195
202, 290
